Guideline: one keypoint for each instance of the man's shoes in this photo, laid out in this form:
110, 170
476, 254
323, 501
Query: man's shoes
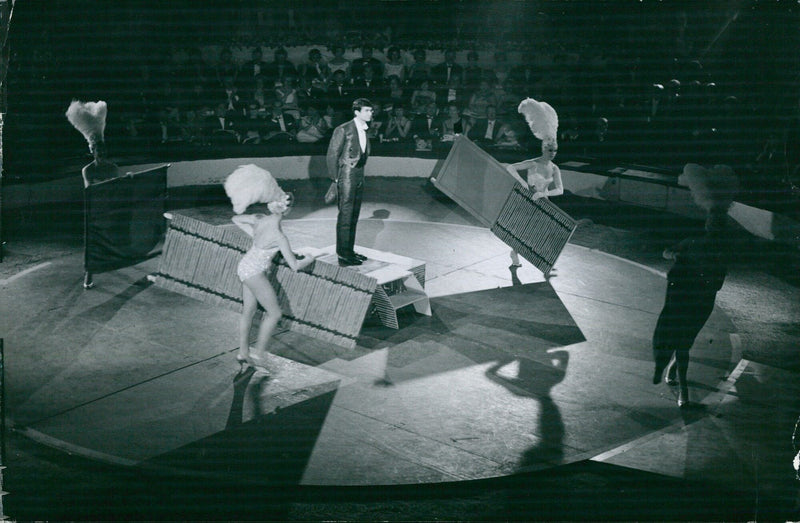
359, 256
349, 260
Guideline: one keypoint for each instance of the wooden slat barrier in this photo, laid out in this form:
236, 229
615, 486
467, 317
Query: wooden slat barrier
324, 301
537, 229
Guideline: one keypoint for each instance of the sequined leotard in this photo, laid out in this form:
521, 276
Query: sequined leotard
537, 180
256, 260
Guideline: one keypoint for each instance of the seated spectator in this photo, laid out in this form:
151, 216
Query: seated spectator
234, 102
443, 72
486, 131
367, 85
339, 95
452, 124
467, 122
596, 143
498, 73
399, 126
339, 62
312, 127
280, 67
394, 65
420, 70
507, 137
330, 117
422, 97
311, 92
287, 94
453, 93
315, 68
194, 107
377, 125
505, 101
260, 96
473, 73
395, 94
426, 125
481, 100
251, 69
251, 128
522, 81
219, 128
367, 61
226, 67
570, 136
279, 126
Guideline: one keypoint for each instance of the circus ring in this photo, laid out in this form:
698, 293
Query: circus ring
511, 372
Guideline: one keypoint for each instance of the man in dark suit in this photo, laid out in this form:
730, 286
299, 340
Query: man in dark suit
445, 71
339, 96
426, 126
221, 126
486, 132
279, 126
367, 61
279, 69
367, 86
348, 151
253, 68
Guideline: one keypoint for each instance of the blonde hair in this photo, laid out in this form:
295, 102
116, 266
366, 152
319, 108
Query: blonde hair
280, 206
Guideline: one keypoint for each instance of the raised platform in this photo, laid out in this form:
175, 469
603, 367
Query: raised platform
326, 301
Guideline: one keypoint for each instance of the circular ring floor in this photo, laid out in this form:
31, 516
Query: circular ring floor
510, 373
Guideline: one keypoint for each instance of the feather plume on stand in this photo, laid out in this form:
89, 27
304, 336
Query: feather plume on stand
89, 118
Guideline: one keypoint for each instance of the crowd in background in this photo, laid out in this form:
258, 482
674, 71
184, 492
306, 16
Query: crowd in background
656, 95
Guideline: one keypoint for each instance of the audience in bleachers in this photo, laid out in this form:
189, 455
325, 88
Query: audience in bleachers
616, 102
608, 110
623, 96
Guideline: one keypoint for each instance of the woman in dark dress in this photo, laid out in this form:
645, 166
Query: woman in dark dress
698, 273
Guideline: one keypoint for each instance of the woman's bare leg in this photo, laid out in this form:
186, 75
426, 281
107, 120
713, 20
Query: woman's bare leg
249, 308
265, 295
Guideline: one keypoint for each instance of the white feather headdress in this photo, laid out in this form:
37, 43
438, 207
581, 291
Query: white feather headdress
541, 118
250, 184
713, 189
89, 118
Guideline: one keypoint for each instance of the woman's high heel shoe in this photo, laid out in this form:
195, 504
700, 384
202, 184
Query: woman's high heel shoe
671, 377
683, 398
243, 361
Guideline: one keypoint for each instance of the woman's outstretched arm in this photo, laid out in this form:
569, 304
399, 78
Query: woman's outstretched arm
288, 255
558, 190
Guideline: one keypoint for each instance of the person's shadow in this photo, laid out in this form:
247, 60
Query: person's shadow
369, 231
534, 380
